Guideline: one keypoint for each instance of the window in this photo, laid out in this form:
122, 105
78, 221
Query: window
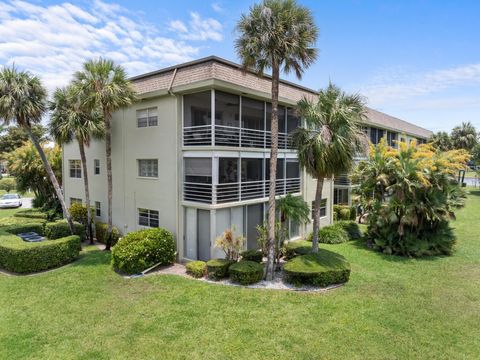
196, 109
253, 114
227, 109
75, 201
75, 168
148, 168
323, 207
340, 196
293, 169
147, 117
198, 170
148, 218
227, 170
96, 167
98, 210
392, 138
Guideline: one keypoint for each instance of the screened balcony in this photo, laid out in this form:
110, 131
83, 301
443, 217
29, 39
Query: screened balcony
236, 179
238, 122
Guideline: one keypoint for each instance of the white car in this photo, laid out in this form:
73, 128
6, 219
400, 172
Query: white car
10, 201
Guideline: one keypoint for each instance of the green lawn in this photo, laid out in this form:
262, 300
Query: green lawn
7, 212
392, 308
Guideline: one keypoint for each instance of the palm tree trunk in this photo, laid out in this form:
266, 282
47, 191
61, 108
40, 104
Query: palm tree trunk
81, 147
108, 151
273, 174
52, 178
316, 213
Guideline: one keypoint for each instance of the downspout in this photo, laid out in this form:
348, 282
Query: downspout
169, 90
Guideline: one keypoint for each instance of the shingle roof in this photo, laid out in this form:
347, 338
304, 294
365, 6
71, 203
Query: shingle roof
213, 67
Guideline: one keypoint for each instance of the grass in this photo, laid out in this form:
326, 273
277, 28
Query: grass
8, 212
392, 308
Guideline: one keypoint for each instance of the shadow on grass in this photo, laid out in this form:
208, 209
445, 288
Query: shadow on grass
362, 244
93, 258
474, 192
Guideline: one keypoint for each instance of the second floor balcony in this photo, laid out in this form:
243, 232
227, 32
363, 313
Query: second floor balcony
239, 121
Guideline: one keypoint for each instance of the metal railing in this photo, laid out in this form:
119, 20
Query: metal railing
342, 180
238, 191
232, 136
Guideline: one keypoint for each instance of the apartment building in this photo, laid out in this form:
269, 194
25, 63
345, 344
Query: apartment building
192, 155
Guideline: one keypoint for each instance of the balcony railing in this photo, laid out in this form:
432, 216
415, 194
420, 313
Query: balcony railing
239, 191
342, 180
232, 136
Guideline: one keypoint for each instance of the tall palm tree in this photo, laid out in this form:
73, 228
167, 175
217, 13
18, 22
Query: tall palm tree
279, 35
332, 137
464, 136
23, 100
105, 85
441, 141
71, 119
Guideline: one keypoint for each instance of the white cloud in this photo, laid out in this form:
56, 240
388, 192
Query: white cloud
198, 29
54, 40
217, 7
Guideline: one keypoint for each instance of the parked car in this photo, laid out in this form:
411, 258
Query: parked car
10, 201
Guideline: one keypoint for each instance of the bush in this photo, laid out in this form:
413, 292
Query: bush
230, 243
19, 256
343, 212
79, 213
12, 220
101, 233
140, 250
60, 228
218, 268
295, 248
31, 214
252, 255
8, 184
353, 213
37, 227
320, 269
197, 269
352, 229
246, 272
332, 234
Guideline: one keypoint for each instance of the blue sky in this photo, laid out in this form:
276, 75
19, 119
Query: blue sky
418, 60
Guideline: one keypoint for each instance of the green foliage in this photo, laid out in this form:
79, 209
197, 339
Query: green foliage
246, 272
60, 228
410, 195
343, 212
140, 250
353, 213
197, 269
101, 233
13, 220
78, 213
230, 243
14, 137
19, 256
332, 234
37, 227
252, 255
352, 229
31, 214
293, 208
464, 136
262, 239
218, 268
297, 247
476, 154
8, 184
320, 269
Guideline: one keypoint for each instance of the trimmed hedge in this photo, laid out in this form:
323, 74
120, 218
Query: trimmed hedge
32, 214
60, 228
197, 269
21, 257
8, 221
320, 269
37, 227
218, 268
297, 247
252, 255
331, 234
246, 272
139, 250
101, 233
352, 229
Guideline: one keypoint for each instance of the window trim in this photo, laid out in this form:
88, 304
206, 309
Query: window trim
148, 217
96, 169
146, 176
149, 119
76, 169
98, 209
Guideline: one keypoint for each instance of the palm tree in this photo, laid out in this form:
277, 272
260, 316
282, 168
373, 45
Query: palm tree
330, 140
279, 35
23, 100
464, 136
441, 141
69, 120
105, 85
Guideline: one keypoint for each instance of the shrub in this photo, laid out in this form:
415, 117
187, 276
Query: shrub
37, 227
298, 247
140, 250
19, 256
218, 268
8, 184
31, 214
230, 243
320, 269
332, 234
197, 269
252, 255
352, 229
246, 272
344, 214
60, 228
101, 233
79, 213
353, 213
12, 220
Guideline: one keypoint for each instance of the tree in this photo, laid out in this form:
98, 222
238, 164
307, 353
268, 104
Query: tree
279, 35
13, 137
475, 153
23, 102
105, 85
441, 141
71, 119
331, 139
8, 184
464, 136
